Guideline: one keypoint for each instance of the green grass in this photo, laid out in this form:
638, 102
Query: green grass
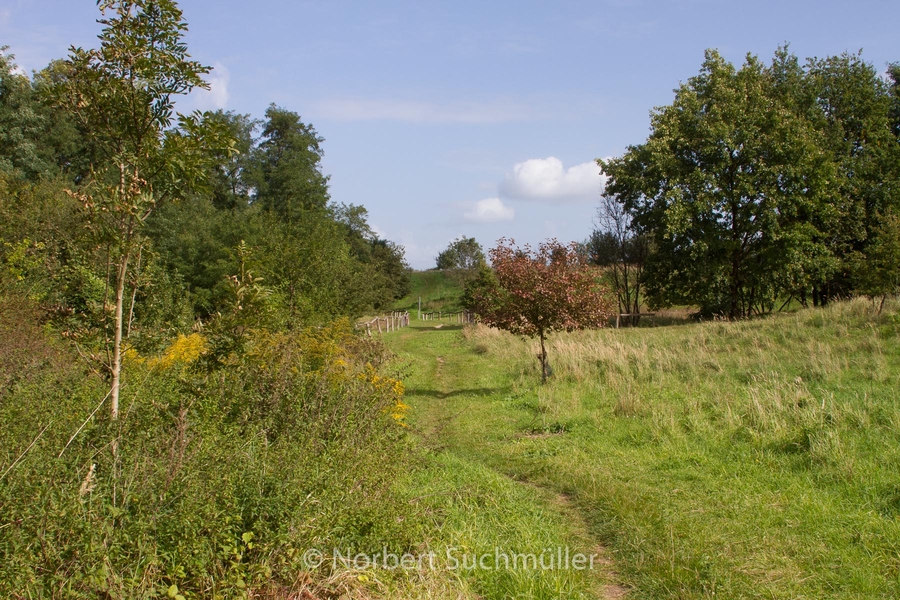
439, 291
750, 459
467, 507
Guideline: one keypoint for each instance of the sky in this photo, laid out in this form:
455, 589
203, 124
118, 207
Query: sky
461, 118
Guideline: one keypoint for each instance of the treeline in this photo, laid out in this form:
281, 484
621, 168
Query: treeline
265, 188
185, 408
760, 185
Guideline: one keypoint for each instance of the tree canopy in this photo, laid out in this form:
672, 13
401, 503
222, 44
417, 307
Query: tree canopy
536, 292
37, 140
288, 175
462, 253
760, 183
142, 216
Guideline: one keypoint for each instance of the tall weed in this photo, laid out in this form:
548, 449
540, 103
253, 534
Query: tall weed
213, 483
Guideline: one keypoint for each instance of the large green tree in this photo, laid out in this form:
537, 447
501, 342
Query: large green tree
724, 186
384, 275
464, 253
288, 174
230, 187
21, 121
37, 140
852, 113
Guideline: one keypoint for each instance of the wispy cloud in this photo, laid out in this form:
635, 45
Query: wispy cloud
548, 179
414, 111
489, 210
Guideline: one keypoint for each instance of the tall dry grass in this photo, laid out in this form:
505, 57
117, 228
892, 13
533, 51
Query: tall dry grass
746, 459
779, 377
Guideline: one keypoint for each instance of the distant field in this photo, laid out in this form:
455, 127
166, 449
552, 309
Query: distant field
748, 459
439, 291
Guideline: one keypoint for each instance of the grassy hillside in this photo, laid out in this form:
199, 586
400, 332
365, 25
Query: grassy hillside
439, 291
749, 459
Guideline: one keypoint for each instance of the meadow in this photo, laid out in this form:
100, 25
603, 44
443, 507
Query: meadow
750, 459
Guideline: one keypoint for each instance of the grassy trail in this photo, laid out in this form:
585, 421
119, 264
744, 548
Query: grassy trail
757, 459
486, 507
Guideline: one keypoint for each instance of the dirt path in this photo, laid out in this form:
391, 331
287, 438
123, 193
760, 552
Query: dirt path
440, 398
611, 589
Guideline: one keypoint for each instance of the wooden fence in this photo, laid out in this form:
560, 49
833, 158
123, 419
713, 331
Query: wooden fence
453, 317
391, 322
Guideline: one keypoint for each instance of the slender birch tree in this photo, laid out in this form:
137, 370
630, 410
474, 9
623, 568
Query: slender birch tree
122, 97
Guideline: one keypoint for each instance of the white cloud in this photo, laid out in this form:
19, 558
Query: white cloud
216, 97
489, 210
547, 179
412, 111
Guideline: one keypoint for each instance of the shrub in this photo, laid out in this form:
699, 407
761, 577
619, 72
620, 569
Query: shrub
219, 479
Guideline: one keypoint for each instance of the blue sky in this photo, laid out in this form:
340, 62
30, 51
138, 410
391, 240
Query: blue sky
469, 118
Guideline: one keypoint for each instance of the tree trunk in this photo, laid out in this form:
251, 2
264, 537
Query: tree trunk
734, 287
134, 290
543, 358
116, 366
737, 309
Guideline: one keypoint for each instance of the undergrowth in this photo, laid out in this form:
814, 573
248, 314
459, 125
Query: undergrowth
215, 480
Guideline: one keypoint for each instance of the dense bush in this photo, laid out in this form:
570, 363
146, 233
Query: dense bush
214, 480
208, 268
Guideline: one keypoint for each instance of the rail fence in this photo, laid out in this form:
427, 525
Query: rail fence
391, 322
397, 319
453, 317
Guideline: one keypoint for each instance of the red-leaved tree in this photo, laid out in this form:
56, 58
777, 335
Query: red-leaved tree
533, 293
